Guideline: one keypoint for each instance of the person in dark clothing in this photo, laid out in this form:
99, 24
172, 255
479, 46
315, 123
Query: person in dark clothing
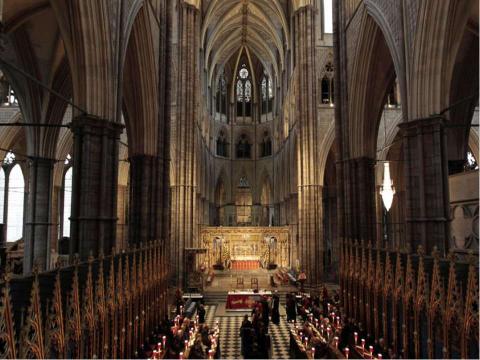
276, 309
291, 311
264, 344
265, 312
245, 334
201, 314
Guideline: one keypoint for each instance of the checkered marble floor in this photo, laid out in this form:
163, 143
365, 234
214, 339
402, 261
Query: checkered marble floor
230, 342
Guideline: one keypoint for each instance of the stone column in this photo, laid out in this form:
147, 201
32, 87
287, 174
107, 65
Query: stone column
311, 247
183, 185
95, 180
359, 194
146, 198
426, 179
38, 215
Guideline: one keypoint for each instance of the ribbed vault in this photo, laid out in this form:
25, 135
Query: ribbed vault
232, 25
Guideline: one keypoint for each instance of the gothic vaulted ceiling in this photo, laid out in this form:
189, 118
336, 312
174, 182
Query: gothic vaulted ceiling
258, 26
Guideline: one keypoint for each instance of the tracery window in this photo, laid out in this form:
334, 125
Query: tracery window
243, 147
266, 89
327, 85
221, 99
12, 197
222, 145
244, 93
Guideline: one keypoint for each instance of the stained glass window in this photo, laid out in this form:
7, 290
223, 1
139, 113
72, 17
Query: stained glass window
243, 72
248, 91
239, 90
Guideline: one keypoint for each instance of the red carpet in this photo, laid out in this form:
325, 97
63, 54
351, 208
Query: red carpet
245, 264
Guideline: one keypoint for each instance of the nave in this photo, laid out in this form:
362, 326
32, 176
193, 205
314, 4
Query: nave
158, 153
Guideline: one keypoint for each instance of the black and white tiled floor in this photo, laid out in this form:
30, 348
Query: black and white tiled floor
230, 343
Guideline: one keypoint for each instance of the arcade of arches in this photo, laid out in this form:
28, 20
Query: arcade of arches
150, 147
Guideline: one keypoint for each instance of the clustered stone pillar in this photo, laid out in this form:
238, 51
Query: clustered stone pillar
426, 175
38, 216
311, 247
359, 194
183, 182
95, 181
146, 198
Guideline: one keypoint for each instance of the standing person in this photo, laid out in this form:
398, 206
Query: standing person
245, 334
276, 309
201, 314
291, 311
265, 312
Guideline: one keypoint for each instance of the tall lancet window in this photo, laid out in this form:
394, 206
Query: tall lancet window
67, 197
13, 196
266, 89
244, 95
327, 85
221, 99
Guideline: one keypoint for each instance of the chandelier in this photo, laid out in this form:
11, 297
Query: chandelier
386, 189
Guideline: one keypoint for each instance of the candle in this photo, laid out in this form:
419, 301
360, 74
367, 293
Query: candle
338, 320
180, 356
380, 356
186, 344
313, 352
347, 350
159, 346
371, 351
164, 341
306, 341
328, 306
210, 354
363, 345
355, 335
336, 341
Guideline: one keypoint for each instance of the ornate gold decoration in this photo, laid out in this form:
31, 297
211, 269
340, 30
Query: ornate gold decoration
88, 315
7, 329
54, 327
73, 322
32, 345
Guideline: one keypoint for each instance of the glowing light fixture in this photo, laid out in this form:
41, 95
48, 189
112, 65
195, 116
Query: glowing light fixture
387, 190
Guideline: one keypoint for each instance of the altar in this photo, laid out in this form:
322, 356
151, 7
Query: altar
245, 248
245, 300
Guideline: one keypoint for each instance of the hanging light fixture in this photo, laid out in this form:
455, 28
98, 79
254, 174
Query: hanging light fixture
387, 190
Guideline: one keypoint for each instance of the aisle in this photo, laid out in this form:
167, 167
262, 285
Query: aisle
230, 342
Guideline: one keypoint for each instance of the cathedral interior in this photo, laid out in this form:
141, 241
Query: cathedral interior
239, 179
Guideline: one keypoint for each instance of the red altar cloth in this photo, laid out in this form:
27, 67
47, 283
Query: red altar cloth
245, 264
244, 300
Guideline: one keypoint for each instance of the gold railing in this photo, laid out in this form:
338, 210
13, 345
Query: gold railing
102, 308
424, 306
